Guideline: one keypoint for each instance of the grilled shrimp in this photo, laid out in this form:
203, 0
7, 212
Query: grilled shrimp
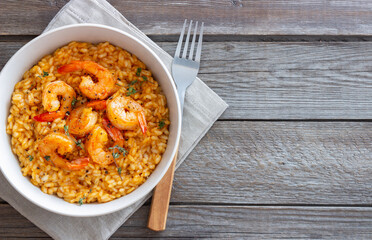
125, 113
82, 120
96, 145
53, 146
99, 89
56, 99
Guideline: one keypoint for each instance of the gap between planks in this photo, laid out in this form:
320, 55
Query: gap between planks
307, 17
225, 222
289, 81
231, 38
278, 163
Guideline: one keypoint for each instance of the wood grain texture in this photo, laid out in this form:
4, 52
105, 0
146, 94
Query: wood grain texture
289, 80
233, 222
316, 163
282, 80
321, 163
235, 17
258, 179
157, 220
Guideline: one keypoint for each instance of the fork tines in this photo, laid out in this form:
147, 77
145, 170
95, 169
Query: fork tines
185, 49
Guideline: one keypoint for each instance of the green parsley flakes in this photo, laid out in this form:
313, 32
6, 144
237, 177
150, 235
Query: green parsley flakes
47, 158
133, 82
30, 158
45, 74
79, 144
115, 155
73, 102
161, 124
81, 200
131, 91
121, 149
138, 73
66, 130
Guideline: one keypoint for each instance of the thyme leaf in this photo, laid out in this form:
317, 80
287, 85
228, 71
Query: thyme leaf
138, 73
73, 102
66, 130
161, 124
131, 91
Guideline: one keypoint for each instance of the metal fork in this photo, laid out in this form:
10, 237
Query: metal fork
184, 73
184, 70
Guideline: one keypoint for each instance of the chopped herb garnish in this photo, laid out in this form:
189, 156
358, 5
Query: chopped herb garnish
78, 143
119, 169
133, 82
131, 91
66, 130
83, 198
121, 149
45, 74
73, 102
138, 73
144, 78
115, 155
161, 124
47, 158
30, 158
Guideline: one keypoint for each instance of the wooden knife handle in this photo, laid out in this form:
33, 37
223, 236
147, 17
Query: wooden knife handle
160, 200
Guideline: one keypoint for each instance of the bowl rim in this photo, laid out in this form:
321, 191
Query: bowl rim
151, 185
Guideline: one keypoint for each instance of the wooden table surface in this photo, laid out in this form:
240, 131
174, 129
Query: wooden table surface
292, 155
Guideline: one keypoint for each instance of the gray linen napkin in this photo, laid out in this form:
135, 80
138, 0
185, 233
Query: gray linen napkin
201, 110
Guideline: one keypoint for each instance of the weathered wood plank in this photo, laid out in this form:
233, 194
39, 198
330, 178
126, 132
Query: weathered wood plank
241, 17
282, 80
289, 80
321, 163
14, 225
223, 222
324, 163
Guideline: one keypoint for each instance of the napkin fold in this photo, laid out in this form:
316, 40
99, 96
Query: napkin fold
202, 108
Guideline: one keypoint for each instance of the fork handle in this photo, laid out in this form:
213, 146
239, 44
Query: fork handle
160, 200
181, 95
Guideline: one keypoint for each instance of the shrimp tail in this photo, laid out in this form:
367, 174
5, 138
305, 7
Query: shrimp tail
78, 164
97, 104
114, 133
71, 67
142, 122
47, 116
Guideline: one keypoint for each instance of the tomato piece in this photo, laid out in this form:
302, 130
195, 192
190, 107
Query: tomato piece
47, 116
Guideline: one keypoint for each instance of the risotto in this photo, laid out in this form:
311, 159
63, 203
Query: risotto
88, 123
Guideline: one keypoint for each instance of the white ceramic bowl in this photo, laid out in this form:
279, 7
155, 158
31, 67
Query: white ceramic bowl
47, 43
